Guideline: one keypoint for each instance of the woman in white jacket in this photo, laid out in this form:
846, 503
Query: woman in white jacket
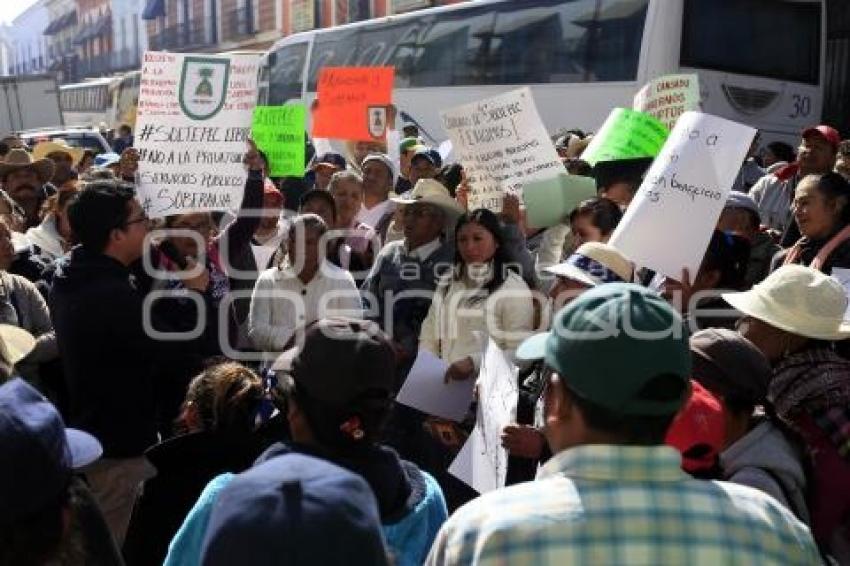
484, 296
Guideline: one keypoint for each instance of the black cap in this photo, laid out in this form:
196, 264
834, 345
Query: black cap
342, 361
330, 158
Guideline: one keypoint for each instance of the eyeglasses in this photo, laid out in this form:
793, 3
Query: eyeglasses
144, 219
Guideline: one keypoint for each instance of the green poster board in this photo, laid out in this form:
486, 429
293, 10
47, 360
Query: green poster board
278, 132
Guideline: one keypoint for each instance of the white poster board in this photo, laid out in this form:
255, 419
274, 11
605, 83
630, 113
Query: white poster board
426, 390
502, 144
192, 126
668, 225
843, 276
482, 463
668, 97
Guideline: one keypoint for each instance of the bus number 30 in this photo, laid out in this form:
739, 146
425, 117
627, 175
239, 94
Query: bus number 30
802, 106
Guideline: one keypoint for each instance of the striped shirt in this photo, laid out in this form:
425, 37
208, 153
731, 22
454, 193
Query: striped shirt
606, 504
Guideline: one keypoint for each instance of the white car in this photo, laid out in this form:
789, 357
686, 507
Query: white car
86, 138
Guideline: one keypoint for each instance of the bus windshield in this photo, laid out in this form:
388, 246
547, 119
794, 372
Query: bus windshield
529, 42
765, 38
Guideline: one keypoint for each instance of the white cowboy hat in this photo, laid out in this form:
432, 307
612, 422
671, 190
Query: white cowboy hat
21, 159
429, 191
45, 148
16, 343
799, 300
595, 263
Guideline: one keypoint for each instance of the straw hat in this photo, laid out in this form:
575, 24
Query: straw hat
799, 300
45, 148
595, 263
18, 159
432, 192
15, 343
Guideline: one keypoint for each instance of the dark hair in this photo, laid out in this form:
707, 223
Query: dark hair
501, 258
100, 208
729, 254
844, 148
604, 214
319, 194
630, 429
578, 166
36, 539
450, 176
782, 151
4, 149
227, 397
833, 186
125, 128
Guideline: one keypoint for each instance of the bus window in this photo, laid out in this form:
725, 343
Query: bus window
285, 76
766, 38
533, 42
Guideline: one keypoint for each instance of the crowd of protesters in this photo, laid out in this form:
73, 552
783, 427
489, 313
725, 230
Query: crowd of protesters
228, 378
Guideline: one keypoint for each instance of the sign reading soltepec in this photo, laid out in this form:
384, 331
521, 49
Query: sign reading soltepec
192, 127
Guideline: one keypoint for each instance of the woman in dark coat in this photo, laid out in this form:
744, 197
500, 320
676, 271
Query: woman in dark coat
224, 408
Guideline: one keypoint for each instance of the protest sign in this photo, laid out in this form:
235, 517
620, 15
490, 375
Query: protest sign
278, 132
668, 97
425, 389
626, 134
683, 194
502, 145
482, 463
548, 202
192, 126
354, 103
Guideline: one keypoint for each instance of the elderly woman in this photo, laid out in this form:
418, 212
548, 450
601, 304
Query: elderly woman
822, 211
792, 317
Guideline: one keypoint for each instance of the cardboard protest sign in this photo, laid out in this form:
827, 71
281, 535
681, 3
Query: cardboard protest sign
683, 194
502, 145
482, 463
548, 202
278, 132
668, 97
626, 134
192, 125
353, 103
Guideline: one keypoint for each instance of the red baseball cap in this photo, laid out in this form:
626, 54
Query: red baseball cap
698, 431
828, 133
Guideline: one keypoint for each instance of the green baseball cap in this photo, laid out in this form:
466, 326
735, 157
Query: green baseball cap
408, 143
610, 342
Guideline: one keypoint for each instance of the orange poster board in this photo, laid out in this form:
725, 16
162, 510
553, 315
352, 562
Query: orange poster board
353, 103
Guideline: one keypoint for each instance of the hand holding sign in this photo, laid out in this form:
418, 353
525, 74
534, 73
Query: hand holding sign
683, 194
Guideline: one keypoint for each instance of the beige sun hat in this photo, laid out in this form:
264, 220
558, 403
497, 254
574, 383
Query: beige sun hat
429, 191
15, 343
595, 263
799, 300
18, 159
45, 148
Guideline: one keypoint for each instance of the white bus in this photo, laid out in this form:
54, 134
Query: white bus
759, 62
89, 103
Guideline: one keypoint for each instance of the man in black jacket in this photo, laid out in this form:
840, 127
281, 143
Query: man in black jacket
106, 354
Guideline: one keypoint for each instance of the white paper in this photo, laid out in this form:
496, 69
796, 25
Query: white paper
322, 146
668, 225
667, 98
192, 127
445, 150
502, 144
393, 143
425, 389
843, 276
482, 463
